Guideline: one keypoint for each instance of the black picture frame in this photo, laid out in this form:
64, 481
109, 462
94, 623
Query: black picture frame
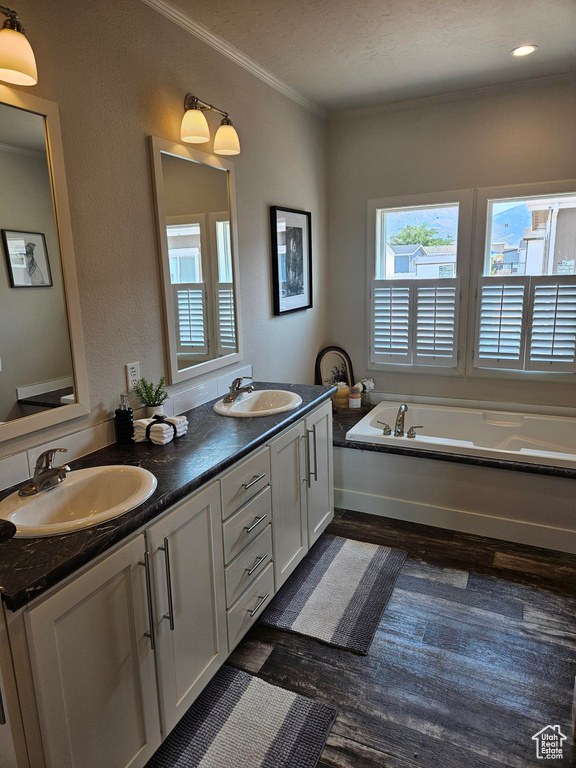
37, 254
286, 298
333, 356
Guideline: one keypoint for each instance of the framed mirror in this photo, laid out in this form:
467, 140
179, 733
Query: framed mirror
196, 217
333, 365
42, 365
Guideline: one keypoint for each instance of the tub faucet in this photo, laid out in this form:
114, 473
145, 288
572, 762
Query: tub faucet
46, 475
399, 428
236, 389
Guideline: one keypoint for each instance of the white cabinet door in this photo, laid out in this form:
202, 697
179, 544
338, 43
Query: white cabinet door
289, 528
320, 480
190, 615
93, 667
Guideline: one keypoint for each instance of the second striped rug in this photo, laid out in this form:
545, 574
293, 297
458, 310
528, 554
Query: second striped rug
338, 593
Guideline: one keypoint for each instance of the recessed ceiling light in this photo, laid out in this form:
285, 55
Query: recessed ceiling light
523, 50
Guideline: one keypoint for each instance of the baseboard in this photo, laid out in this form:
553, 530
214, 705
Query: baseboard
522, 532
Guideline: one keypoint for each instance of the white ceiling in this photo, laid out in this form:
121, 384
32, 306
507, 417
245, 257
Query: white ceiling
22, 130
354, 53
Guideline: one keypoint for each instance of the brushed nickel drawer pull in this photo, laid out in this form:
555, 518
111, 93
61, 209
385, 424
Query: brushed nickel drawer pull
170, 614
257, 564
255, 523
146, 565
254, 480
260, 604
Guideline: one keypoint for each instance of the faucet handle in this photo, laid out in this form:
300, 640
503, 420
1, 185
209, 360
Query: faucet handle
44, 461
387, 429
238, 382
412, 430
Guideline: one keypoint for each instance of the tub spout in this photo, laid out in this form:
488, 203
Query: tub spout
399, 428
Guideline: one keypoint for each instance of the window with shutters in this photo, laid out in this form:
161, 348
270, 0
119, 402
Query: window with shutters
416, 284
526, 295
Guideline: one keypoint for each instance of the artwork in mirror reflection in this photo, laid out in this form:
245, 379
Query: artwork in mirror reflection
35, 357
197, 209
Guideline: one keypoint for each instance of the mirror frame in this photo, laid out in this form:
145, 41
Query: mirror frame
49, 111
159, 147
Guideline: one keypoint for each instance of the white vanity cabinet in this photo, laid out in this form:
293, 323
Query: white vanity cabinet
190, 607
289, 478
93, 666
320, 478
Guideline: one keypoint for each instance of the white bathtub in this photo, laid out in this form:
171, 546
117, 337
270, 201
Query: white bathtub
529, 438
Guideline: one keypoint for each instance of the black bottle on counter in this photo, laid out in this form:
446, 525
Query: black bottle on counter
124, 419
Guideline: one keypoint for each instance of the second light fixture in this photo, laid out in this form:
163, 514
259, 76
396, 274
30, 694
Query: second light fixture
195, 130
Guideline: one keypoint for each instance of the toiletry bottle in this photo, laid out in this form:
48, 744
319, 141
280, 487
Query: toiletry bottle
124, 419
355, 398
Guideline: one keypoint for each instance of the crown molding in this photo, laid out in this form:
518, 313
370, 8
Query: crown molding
231, 52
442, 98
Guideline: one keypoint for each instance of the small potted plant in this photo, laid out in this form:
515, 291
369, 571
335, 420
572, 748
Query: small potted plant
151, 396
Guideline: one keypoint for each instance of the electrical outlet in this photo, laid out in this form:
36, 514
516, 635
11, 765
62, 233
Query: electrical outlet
132, 375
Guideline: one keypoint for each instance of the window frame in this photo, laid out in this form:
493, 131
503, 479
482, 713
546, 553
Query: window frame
477, 263
464, 198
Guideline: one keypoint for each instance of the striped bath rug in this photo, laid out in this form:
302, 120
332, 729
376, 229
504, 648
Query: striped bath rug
241, 721
338, 593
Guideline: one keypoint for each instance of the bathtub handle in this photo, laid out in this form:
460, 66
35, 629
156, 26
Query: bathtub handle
387, 430
412, 430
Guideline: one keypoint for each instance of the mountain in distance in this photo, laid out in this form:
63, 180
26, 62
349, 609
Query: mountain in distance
507, 226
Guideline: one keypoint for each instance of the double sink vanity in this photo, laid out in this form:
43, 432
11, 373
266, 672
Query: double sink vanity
114, 629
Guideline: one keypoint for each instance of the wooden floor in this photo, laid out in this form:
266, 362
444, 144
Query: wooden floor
475, 653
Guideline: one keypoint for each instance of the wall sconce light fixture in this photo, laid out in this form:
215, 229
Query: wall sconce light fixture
195, 130
17, 61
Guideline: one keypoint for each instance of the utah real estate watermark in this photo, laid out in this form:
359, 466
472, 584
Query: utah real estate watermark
549, 743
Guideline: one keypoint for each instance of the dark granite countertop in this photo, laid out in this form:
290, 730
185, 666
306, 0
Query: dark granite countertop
47, 399
345, 421
212, 444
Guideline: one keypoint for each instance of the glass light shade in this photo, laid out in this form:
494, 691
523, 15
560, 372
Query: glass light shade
17, 62
194, 129
226, 141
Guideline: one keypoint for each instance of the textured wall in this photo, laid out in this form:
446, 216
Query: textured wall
119, 72
524, 133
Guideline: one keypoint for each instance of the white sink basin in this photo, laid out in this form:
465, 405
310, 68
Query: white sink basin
87, 497
262, 402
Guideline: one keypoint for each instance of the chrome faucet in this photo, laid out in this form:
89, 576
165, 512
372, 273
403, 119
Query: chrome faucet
46, 475
399, 428
236, 389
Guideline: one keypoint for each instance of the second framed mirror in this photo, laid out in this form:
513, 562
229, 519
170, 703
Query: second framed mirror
196, 217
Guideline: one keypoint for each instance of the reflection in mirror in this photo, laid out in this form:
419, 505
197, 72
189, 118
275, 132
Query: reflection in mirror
36, 372
198, 261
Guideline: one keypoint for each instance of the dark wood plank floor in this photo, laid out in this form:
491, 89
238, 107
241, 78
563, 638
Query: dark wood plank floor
475, 653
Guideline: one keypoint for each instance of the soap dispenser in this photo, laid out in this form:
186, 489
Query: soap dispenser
124, 418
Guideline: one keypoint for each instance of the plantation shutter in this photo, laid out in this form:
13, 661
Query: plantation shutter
391, 337
190, 307
226, 323
436, 313
501, 322
553, 324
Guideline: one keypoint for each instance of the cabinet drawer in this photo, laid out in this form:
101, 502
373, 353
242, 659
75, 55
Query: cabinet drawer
243, 527
244, 482
240, 617
254, 558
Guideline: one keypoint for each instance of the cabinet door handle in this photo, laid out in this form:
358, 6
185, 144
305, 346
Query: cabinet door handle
254, 480
2, 711
261, 602
170, 614
255, 523
315, 472
146, 565
257, 564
